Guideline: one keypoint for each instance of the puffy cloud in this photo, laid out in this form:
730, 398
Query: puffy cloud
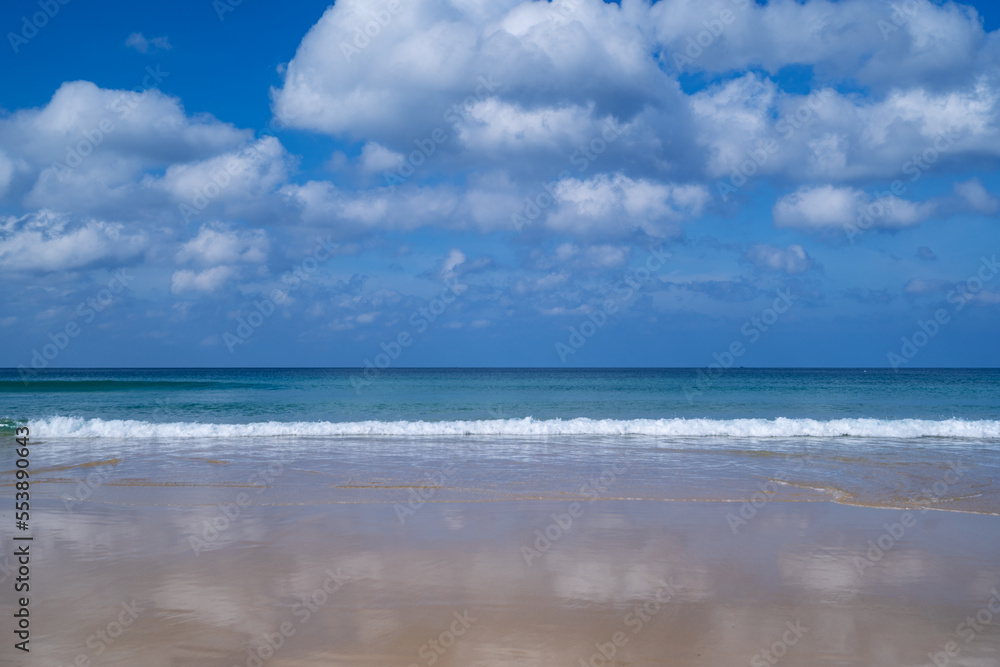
376, 158
431, 55
46, 241
818, 208
89, 150
792, 259
620, 205
216, 244
243, 176
882, 44
977, 198
826, 208
557, 72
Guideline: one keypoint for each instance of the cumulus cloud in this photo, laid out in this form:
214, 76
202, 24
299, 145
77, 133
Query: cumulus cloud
791, 260
47, 241
825, 208
247, 174
89, 150
618, 204
977, 198
216, 244
557, 77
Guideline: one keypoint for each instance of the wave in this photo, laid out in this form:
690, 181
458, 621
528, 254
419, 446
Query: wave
76, 427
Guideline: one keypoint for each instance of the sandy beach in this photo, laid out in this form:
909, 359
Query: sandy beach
607, 582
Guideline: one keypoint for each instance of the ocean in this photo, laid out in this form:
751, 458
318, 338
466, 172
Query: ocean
913, 438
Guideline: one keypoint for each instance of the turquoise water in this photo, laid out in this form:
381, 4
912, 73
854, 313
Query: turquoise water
856, 436
241, 396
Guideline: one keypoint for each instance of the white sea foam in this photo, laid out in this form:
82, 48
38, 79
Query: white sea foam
75, 427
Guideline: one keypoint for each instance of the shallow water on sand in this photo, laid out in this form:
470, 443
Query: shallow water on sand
653, 583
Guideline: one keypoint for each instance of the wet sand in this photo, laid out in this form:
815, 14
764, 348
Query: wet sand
609, 582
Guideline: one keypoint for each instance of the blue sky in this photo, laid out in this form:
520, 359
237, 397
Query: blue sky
499, 183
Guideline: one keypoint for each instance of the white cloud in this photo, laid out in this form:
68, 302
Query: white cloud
249, 173
89, 150
620, 205
791, 260
376, 158
215, 244
556, 81
977, 198
46, 241
207, 281
826, 207
881, 43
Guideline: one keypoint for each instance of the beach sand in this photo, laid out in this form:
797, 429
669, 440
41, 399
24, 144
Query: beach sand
610, 582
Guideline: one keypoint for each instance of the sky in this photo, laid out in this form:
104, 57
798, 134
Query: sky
576, 183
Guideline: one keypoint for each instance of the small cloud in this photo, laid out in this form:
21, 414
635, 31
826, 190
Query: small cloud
206, 281
139, 42
376, 158
923, 252
977, 198
792, 259
825, 208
